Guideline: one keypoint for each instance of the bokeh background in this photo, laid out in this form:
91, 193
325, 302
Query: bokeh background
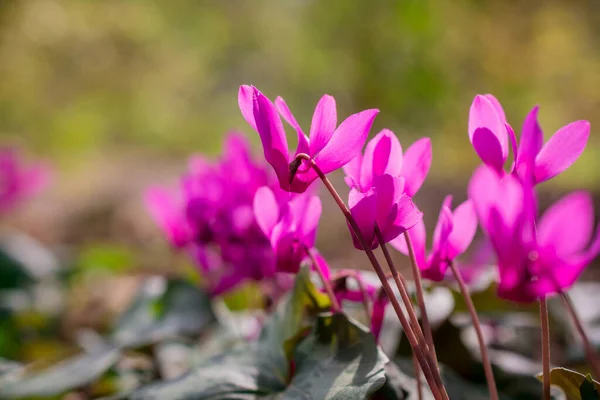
116, 95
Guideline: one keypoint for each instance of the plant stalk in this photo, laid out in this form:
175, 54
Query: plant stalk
545, 348
487, 365
589, 349
420, 298
432, 376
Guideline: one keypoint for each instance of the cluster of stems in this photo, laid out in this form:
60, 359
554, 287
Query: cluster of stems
420, 337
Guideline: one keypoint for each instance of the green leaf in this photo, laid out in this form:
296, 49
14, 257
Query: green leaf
181, 309
72, 373
587, 390
337, 360
571, 383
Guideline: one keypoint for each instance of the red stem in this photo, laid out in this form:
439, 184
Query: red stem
417, 378
361, 288
589, 349
432, 376
420, 298
487, 365
545, 348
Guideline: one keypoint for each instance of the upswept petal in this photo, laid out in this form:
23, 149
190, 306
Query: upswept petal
245, 96
488, 148
323, 124
485, 112
352, 171
532, 139
463, 229
346, 142
562, 150
383, 155
309, 219
497, 106
363, 207
566, 227
407, 216
442, 231
266, 210
388, 190
416, 163
513, 143
287, 115
272, 136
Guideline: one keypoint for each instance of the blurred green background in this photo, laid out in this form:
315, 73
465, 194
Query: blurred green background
117, 94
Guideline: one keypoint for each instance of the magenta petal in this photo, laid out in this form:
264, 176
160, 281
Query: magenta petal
562, 150
346, 142
442, 230
266, 210
272, 136
352, 170
169, 215
497, 106
408, 215
488, 148
309, 219
566, 227
378, 315
323, 266
383, 155
323, 124
484, 113
513, 143
363, 207
287, 115
464, 227
416, 163
245, 96
532, 139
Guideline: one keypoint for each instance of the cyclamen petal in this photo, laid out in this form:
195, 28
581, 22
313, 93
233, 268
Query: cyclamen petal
566, 227
266, 210
168, 215
463, 229
246, 103
416, 164
562, 150
323, 124
284, 111
488, 148
485, 113
346, 142
418, 239
532, 139
363, 207
383, 155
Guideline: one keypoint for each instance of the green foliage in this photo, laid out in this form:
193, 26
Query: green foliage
576, 386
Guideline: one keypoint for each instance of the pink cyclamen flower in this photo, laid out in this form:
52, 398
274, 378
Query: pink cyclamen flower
329, 146
533, 262
490, 135
19, 182
452, 236
385, 206
291, 227
383, 155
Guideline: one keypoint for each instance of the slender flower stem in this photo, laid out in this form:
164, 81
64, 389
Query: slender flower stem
545, 348
401, 284
420, 298
417, 377
432, 376
589, 349
326, 284
361, 288
487, 365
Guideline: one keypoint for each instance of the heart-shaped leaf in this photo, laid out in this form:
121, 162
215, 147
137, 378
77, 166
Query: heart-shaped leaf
574, 385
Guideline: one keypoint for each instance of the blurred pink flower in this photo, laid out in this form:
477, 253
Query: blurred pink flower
291, 226
452, 236
329, 146
533, 262
490, 135
19, 182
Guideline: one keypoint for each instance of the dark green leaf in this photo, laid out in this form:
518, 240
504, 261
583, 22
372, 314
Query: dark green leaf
180, 309
569, 381
587, 390
67, 375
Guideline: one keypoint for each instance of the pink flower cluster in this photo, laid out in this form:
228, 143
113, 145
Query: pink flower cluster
243, 219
